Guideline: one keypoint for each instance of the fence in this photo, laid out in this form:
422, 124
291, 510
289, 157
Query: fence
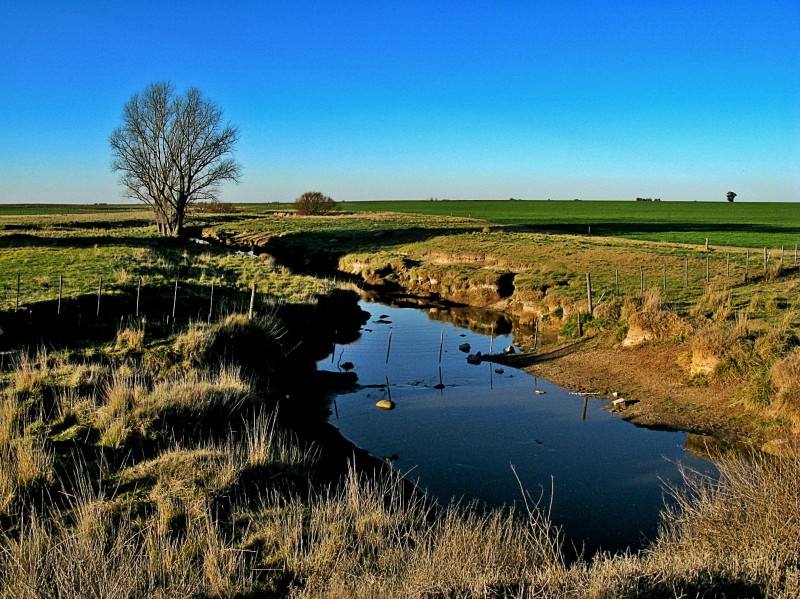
87, 299
680, 274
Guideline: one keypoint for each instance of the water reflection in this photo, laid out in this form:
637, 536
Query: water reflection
459, 427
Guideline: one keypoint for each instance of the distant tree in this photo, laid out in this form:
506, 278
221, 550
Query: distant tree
173, 150
314, 202
731, 195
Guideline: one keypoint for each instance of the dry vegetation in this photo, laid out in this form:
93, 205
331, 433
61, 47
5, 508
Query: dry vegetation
235, 512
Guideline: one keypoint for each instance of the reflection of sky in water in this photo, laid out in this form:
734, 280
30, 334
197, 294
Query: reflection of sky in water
462, 440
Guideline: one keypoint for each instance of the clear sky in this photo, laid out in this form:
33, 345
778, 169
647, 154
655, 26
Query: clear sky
682, 100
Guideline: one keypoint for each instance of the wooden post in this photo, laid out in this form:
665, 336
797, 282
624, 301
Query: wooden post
580, 325
99, 294
174, 301
781, 257
491, 341
616, 280
665, 276
641, 279
746, 263
389, 348
441, 345
252, 300
795, 254
138, 295
211, 306
16, 306
766, 260
589, 292
686, 278
60, 290
728, 265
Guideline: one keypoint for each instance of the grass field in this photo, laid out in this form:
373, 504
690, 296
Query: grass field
737, 224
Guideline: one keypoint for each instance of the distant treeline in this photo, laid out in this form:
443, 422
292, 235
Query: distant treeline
648, 199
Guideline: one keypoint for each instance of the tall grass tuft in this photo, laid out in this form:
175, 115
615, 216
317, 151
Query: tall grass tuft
740, 530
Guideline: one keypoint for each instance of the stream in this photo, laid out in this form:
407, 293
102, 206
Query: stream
481, 431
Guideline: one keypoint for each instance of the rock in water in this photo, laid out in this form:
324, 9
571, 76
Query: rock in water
465, 347
347, 366
509, 350
474, 358
499, 370
385, 404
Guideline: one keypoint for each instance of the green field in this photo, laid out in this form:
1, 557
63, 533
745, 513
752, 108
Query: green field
740, 224
737, 224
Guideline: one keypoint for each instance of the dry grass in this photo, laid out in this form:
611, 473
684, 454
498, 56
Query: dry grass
31, 373
130, 338
741, 530
97, 553
26, 459
651, 317
132, 401
236, 338
716, 304
785, 376
370, 538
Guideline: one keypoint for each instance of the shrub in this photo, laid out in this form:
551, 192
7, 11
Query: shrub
314, 202
785, 376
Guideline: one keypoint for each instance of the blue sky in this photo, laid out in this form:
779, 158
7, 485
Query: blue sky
407, 100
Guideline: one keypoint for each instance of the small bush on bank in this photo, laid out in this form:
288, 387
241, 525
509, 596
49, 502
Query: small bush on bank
314, 203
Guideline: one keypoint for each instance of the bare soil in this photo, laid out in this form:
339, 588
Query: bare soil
661, 393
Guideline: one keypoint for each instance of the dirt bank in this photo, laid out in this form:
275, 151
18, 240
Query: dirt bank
661, 394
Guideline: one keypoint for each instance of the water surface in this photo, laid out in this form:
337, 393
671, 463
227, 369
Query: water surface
461, 441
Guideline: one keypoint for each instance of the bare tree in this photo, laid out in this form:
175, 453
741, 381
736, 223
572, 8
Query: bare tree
731, 195
314, 202
173, 150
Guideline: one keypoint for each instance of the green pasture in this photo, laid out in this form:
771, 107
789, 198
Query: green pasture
738, 224
71, 249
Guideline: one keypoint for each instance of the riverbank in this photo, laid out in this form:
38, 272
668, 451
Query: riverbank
676, 326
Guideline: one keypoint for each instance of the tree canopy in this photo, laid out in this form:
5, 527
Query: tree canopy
173, 150
314, 202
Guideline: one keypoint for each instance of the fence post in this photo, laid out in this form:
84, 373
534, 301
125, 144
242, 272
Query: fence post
99, 294
746, 263
781, 257
795, 254
766, 259
138, 295
728, 265
686, 278
589, 292
665, 276
252, 300
211, 306
60, 289
174, 301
